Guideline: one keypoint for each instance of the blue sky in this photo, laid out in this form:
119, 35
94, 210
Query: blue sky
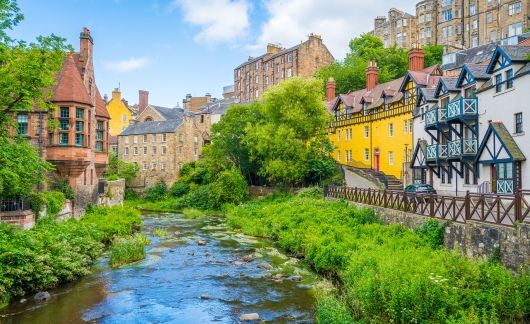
175, 47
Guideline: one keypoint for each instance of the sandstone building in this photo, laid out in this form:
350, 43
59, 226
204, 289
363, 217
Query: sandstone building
78, 145
455, 24
254, 77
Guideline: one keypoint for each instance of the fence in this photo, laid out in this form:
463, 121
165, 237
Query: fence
13, 205
487, 208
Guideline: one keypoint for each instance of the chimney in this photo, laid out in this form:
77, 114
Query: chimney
208, 97
273, 49
372, 75
330, 87
116, 94
85, 45
416, 58
143, 100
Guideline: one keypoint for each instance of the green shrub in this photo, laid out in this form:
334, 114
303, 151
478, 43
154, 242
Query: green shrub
112, 177
63, 185
330, 310
37, 201
195, 173
433, 232
198, 198
311, 192
229, 188
159, 232
130, 194
157, 192
193, 213
127, 250
54, 202
53, 253
179, 189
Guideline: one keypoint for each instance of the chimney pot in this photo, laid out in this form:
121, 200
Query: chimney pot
143, 100
372, 75
331, 89
416, 58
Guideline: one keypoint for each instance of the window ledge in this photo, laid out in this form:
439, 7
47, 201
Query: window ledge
504, 92
517, 134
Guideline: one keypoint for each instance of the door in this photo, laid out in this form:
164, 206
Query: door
376, 161
493, 178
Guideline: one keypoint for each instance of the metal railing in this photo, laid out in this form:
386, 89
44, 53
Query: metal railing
462, 107
12, 205
507, 210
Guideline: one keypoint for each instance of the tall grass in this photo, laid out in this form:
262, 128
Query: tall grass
127, 250
388, 273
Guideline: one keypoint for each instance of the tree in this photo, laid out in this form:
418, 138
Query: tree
27, 70
433, 54
228, 149
120, 169
21, 168
290, 132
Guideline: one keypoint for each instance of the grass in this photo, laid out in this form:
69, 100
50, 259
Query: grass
387, 273
169, 205
193, 213
160, 232
128, 250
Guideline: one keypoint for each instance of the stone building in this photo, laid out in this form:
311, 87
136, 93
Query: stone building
78, 146
399, 29
254, 77
460, 24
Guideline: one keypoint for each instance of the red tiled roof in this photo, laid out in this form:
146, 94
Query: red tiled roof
101, 107
525, 42
70, 86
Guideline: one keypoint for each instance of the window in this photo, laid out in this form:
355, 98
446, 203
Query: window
145, 150
127, 140
338, 135
22, 120
428, 17
153, 165
63, 138
267, 80
65, 112
126, 151
123, 118
472, 9
515, 29
366, 131
144, 166
519, 123
64, 125
257, 79
366, 154
257, 93
390, 129
289, 58
202, 119
474, 41
164, 149
79, 113
509, 79
447, 15
162, 166
498, 83
78, 139
154, 150
135, 139
338, 156
115, 149
475, 24
99, 136
154, 138
390, 158
514, 8
408, 126
493, 36
79, 127
164, 138
195, 139
135, 150
145, 138
289, 72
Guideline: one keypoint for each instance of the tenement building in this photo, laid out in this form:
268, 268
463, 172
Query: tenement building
457, 24
254, 77
78, 145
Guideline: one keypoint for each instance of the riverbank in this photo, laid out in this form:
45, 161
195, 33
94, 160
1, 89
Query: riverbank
387, 273
53, 252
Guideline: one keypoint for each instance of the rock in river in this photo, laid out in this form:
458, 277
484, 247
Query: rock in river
42, 296
296, 278
249, 317
265, 266
247, 258
201, 242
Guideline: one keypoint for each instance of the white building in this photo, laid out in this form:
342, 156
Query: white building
470, 130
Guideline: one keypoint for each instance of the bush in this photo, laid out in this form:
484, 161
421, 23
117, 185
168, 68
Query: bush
198, 198
127, 250
330, 310
179, 189
37, 201
229, 188
130, 194
54, 202
433, 232
160, 232
311, 192
157, 192
193, 213
63, 185
195, 173
53, 253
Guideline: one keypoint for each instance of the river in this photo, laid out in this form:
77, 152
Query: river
181, 281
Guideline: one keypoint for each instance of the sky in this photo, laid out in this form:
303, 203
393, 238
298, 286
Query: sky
175, 47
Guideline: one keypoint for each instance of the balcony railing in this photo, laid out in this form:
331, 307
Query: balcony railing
462, 107
435, 116
462, 147
436, 152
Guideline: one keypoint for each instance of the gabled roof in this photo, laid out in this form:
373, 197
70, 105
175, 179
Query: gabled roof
506, 145
70, 86
152, 127
418, 160
477, 55
445, 84
168, 113
218, 107
101, 107
472, 72
427, 94
427, 77
505, 55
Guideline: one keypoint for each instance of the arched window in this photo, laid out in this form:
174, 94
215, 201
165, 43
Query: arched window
148, 119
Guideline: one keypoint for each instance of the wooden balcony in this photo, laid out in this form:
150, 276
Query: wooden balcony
436, 152
462, 148
462, 109
435, 118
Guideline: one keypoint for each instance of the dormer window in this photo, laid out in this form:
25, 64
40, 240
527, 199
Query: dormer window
470, 92
498, 83
509, 79
365, 108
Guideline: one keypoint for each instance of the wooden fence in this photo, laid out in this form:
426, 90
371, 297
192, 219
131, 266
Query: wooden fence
505, 210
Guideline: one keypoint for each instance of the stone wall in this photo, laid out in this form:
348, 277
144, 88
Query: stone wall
474, 239
114, 193
23, 218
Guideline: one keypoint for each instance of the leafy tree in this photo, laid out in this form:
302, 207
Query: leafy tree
290, 132
121, 169
433, 54
228, 149
229, 187
21, 168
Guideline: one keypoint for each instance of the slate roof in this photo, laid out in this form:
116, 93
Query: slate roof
507, 139
477, 55
218, 107
516, 52
524, 70
168, 113
152, 127
478, 70
70, 86
450, 83
428, 93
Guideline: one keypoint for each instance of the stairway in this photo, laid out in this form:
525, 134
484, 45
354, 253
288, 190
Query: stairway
394, 183
388, 182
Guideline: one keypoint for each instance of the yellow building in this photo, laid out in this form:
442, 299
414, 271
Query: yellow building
372, 127
120, 114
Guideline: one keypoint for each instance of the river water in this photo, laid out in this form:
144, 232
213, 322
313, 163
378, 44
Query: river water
183, 282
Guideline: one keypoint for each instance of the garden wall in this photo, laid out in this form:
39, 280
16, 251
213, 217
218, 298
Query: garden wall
23, 218
473, 239
113, 193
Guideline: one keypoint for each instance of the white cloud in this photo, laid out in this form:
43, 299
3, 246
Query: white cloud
128, 65
220, 21
337, 21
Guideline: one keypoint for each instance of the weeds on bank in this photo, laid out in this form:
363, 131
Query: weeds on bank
128, 250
